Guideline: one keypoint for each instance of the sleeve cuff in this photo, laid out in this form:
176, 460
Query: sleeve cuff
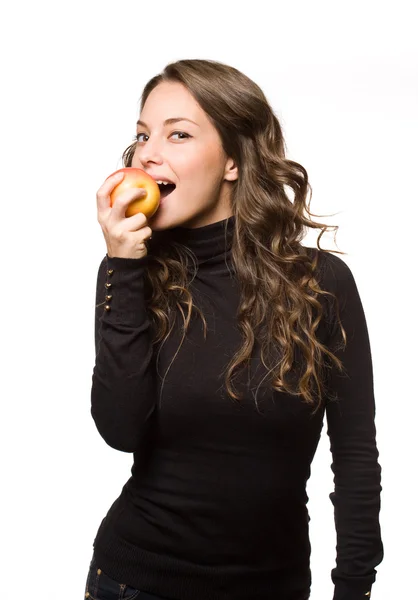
344, 591
123, 299
117, 263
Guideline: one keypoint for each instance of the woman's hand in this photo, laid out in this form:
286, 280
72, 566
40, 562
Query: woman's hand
125, 236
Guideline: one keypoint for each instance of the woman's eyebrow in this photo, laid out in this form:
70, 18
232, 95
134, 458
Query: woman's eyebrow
169, 121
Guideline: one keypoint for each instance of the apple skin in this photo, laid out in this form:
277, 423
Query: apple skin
137, 178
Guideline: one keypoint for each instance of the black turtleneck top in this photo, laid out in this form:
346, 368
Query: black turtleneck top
215, 508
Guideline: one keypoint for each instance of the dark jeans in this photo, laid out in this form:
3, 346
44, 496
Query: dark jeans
100, 586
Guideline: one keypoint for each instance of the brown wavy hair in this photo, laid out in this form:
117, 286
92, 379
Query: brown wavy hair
280, 303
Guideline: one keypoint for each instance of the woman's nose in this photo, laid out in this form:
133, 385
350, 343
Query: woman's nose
150, 152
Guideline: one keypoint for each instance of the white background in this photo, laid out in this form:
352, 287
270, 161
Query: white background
342, 78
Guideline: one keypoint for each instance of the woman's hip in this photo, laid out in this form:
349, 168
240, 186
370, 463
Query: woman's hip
100, 586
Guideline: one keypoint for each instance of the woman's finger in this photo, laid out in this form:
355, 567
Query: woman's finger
136, 223
104, 191
122, 202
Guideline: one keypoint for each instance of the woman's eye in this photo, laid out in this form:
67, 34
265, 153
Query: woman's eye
182, 133
135, 138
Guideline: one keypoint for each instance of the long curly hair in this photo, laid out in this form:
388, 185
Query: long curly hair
280, 305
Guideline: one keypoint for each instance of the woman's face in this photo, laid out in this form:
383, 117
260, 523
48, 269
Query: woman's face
189, 153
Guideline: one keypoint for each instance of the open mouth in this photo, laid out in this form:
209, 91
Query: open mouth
166, 189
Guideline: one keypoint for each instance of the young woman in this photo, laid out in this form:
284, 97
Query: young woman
221, 344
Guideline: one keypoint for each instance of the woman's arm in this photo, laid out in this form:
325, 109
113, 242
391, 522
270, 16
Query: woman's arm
123, 383
352, 434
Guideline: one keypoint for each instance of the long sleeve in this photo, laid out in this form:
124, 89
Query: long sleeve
351, 429
123, 383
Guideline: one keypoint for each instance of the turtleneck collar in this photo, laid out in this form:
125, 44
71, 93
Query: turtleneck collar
211, 244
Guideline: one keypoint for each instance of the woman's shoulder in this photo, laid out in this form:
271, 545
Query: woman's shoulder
331, 269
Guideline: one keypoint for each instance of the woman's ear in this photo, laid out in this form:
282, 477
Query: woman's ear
231, 170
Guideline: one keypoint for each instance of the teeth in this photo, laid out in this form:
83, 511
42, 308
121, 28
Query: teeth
162, 182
